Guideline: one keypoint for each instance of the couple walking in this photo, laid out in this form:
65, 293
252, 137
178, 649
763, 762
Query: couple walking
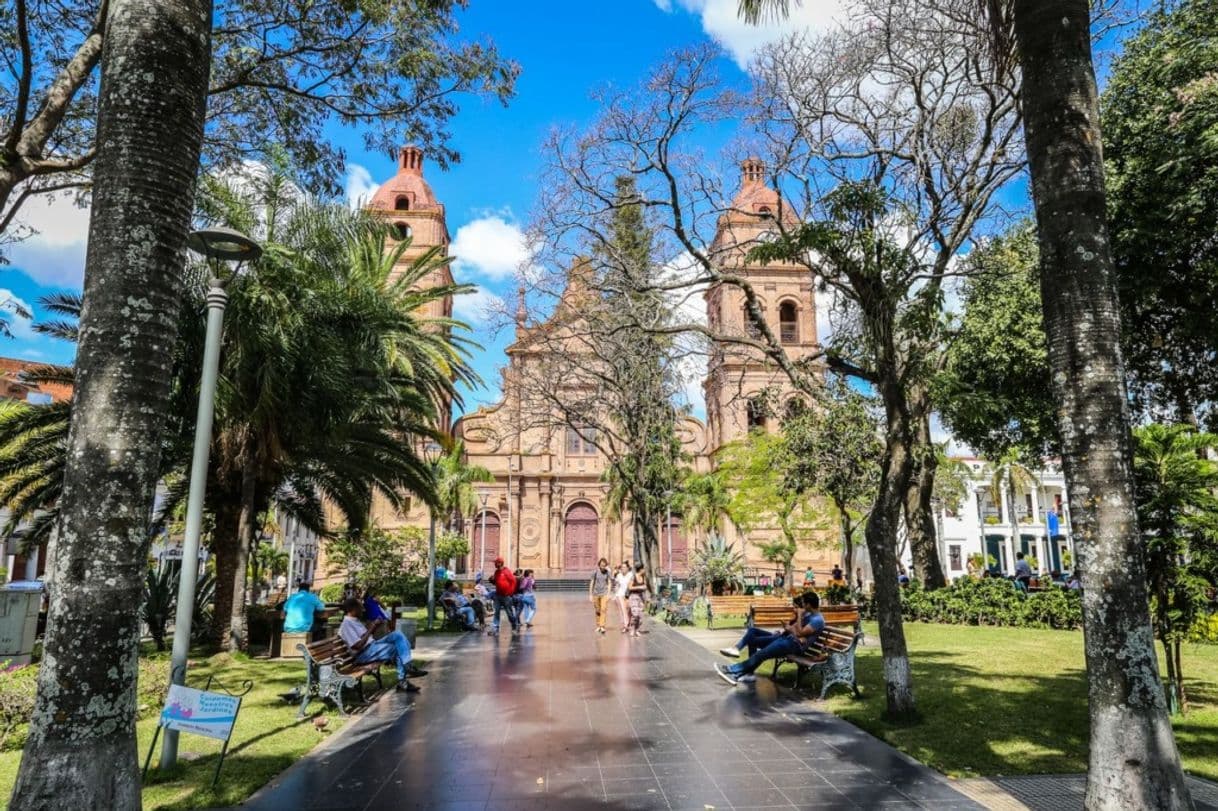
627, 588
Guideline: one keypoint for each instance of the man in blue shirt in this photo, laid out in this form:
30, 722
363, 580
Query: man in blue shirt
299, 609
794, 638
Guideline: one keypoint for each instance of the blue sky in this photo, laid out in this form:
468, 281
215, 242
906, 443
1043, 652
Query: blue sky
565, 51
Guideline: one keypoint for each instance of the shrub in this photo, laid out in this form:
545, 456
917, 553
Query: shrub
17, 688
992, 601
332, 593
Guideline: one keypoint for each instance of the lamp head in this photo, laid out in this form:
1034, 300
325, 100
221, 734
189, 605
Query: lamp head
223, 244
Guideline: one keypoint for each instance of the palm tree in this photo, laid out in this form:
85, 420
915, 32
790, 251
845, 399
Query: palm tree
455, 480
80, 752
331, 374
1010, 476
703, 503
1178, 516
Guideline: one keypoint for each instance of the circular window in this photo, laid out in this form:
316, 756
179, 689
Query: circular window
401, 231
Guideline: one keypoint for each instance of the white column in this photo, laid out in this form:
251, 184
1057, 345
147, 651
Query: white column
1008, 515
31, 564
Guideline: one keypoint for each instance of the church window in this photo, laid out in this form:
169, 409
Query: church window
581, 441
401, 231
765, 212
755, 412
788, 320
402, 203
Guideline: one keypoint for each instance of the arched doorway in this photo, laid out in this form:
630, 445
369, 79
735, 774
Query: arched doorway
579, 540
484, 561
680, 548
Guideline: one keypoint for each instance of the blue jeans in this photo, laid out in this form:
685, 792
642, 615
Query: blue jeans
528, 603
467, 615
392, 647
782, 646
504, 602
755, 639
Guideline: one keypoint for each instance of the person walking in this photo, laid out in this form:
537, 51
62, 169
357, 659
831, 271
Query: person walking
621, 582
636, 592
505, 594
528, 599
599, 588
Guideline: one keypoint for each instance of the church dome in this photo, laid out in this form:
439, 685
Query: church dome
407, 190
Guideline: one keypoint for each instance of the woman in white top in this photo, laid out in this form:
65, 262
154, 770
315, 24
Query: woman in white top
621, 582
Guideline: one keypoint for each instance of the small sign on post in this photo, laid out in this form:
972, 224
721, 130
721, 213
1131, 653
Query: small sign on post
200, 712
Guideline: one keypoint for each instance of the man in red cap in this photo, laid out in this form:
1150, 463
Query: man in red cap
505, 587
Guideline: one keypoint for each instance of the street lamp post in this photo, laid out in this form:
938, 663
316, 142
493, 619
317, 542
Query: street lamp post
431, 452
217, 245
483, 496
668, 506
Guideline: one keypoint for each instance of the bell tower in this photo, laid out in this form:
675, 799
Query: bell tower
744, 389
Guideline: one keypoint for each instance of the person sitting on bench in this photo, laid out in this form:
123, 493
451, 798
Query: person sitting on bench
301, 609
460, 604
765, 645
392, 647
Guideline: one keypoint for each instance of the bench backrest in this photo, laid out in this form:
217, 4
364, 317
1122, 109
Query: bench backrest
837, 640
330, 651
840, 615
765, 616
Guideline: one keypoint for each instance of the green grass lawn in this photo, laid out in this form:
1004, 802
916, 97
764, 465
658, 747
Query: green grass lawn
266, 740
1002, 701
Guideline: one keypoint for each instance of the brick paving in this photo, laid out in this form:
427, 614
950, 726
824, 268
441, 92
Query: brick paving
560, 718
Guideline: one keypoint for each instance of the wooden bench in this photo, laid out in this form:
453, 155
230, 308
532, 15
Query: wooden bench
771, 616
833, 654
682, 610
330, 667
738, 605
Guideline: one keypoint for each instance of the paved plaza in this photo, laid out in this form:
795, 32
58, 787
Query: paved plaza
560, 718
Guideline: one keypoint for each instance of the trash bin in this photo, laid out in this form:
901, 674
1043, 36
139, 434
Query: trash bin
19, 604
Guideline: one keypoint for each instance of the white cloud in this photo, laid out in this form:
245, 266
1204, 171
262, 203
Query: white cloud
721, 22
359, 186
13, 306
477, 308
54, 253
689, 308
492, 247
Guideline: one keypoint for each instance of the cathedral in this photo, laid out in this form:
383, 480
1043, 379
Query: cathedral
546, 508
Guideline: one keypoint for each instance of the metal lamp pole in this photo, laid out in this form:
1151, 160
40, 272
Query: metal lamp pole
668, 499
482, 552
218, 244
431, 453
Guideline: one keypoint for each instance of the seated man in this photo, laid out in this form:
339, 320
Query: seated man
299, 610
460, 604
392, 647
794, 638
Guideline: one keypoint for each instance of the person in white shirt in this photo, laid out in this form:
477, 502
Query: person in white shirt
622, 582
392, 647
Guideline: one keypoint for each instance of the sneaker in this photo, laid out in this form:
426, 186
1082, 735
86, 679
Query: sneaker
600, 630
415, 672
528, 625
725, 674
406, 687
748, 678
730, 652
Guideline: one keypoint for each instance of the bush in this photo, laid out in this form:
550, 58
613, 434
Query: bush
992, 601
17, 687
332, 593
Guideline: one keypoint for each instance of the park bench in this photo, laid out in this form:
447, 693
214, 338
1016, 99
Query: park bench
833, 654
682, 610
738, 605
330, 667
770, 616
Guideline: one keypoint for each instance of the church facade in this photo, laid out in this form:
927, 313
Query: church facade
547, 509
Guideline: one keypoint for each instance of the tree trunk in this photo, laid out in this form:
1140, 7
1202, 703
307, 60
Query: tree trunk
238, 637
81, 750
919, 512
881, 538
648, 546
225, 540
1133, 758
847, 529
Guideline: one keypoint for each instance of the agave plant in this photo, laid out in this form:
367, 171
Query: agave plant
160, 598
717, 563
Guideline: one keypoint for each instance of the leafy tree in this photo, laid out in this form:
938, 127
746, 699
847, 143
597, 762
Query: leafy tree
1160, 113
451, 545
1133, 760
757, 472
1178, 516
995, 392
383, 561
81, 748
702, 501
280, 74
837, 450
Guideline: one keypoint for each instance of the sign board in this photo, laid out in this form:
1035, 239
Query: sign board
199, 712
175, 553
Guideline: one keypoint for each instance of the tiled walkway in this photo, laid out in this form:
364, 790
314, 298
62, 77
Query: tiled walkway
559, 718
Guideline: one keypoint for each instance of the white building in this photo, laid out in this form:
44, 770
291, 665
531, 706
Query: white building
983, 527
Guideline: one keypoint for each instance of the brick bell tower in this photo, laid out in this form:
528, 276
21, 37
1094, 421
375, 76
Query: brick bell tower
744, 390
408, 203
